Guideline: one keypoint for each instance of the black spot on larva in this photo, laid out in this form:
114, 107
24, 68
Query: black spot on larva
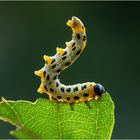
57, 84
63, 58
59, 70
84, 87
75, 89
53, 98
53, 60
44, 73
62, 89
68, 98
74, 48
68, 63
68, 89
64, 53
78, 36
55, 77
45, 88
59, 97
51, 89
48, 77
76, 97
85, 94
53, 66
73, 44
84, 38
78, 52
82, 27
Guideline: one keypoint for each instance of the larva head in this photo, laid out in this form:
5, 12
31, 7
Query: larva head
99, 89
76, 24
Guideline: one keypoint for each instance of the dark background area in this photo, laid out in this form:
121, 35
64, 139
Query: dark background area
28, 30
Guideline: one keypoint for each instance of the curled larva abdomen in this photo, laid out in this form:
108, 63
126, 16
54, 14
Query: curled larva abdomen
63, 58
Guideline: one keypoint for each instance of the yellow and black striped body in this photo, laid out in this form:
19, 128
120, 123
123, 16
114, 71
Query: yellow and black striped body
63, 58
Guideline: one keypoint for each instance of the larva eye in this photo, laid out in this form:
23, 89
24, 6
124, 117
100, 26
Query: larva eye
99, 89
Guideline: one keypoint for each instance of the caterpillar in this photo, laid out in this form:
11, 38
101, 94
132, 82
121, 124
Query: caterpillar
63, 58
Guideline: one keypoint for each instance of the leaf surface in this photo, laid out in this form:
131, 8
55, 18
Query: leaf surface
49, 120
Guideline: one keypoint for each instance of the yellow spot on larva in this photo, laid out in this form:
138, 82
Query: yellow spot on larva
66, 43
90, 88
69, 23
96, 97
47, 59
60, 50
79, 30
38, 73
41, 89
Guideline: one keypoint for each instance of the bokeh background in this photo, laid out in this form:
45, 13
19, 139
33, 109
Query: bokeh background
28, 30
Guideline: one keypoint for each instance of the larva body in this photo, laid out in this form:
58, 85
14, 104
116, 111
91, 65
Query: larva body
50, 83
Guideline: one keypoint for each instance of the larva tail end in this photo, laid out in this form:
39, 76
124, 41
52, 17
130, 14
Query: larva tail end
76, 24
69, 23
47, 59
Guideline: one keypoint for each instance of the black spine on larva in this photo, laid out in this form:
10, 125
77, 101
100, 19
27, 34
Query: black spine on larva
45, 88
85, 94
68, 63
75, 89
74, 48
44, 73
76, 97
48, 77
65, 53
57, 84
78, 36
78, 52
84, 87
63, 58
68, 89
55, 77
53, 66
59, 70
53, 61
73, 44
59, 97
62, 89
51, 89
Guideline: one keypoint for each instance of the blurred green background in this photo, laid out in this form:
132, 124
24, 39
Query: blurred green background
28, 30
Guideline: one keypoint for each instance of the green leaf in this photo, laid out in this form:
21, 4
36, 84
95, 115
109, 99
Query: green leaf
50, 120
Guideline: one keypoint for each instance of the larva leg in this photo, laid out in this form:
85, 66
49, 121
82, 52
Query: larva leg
72, 106
87, 104
53, 99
